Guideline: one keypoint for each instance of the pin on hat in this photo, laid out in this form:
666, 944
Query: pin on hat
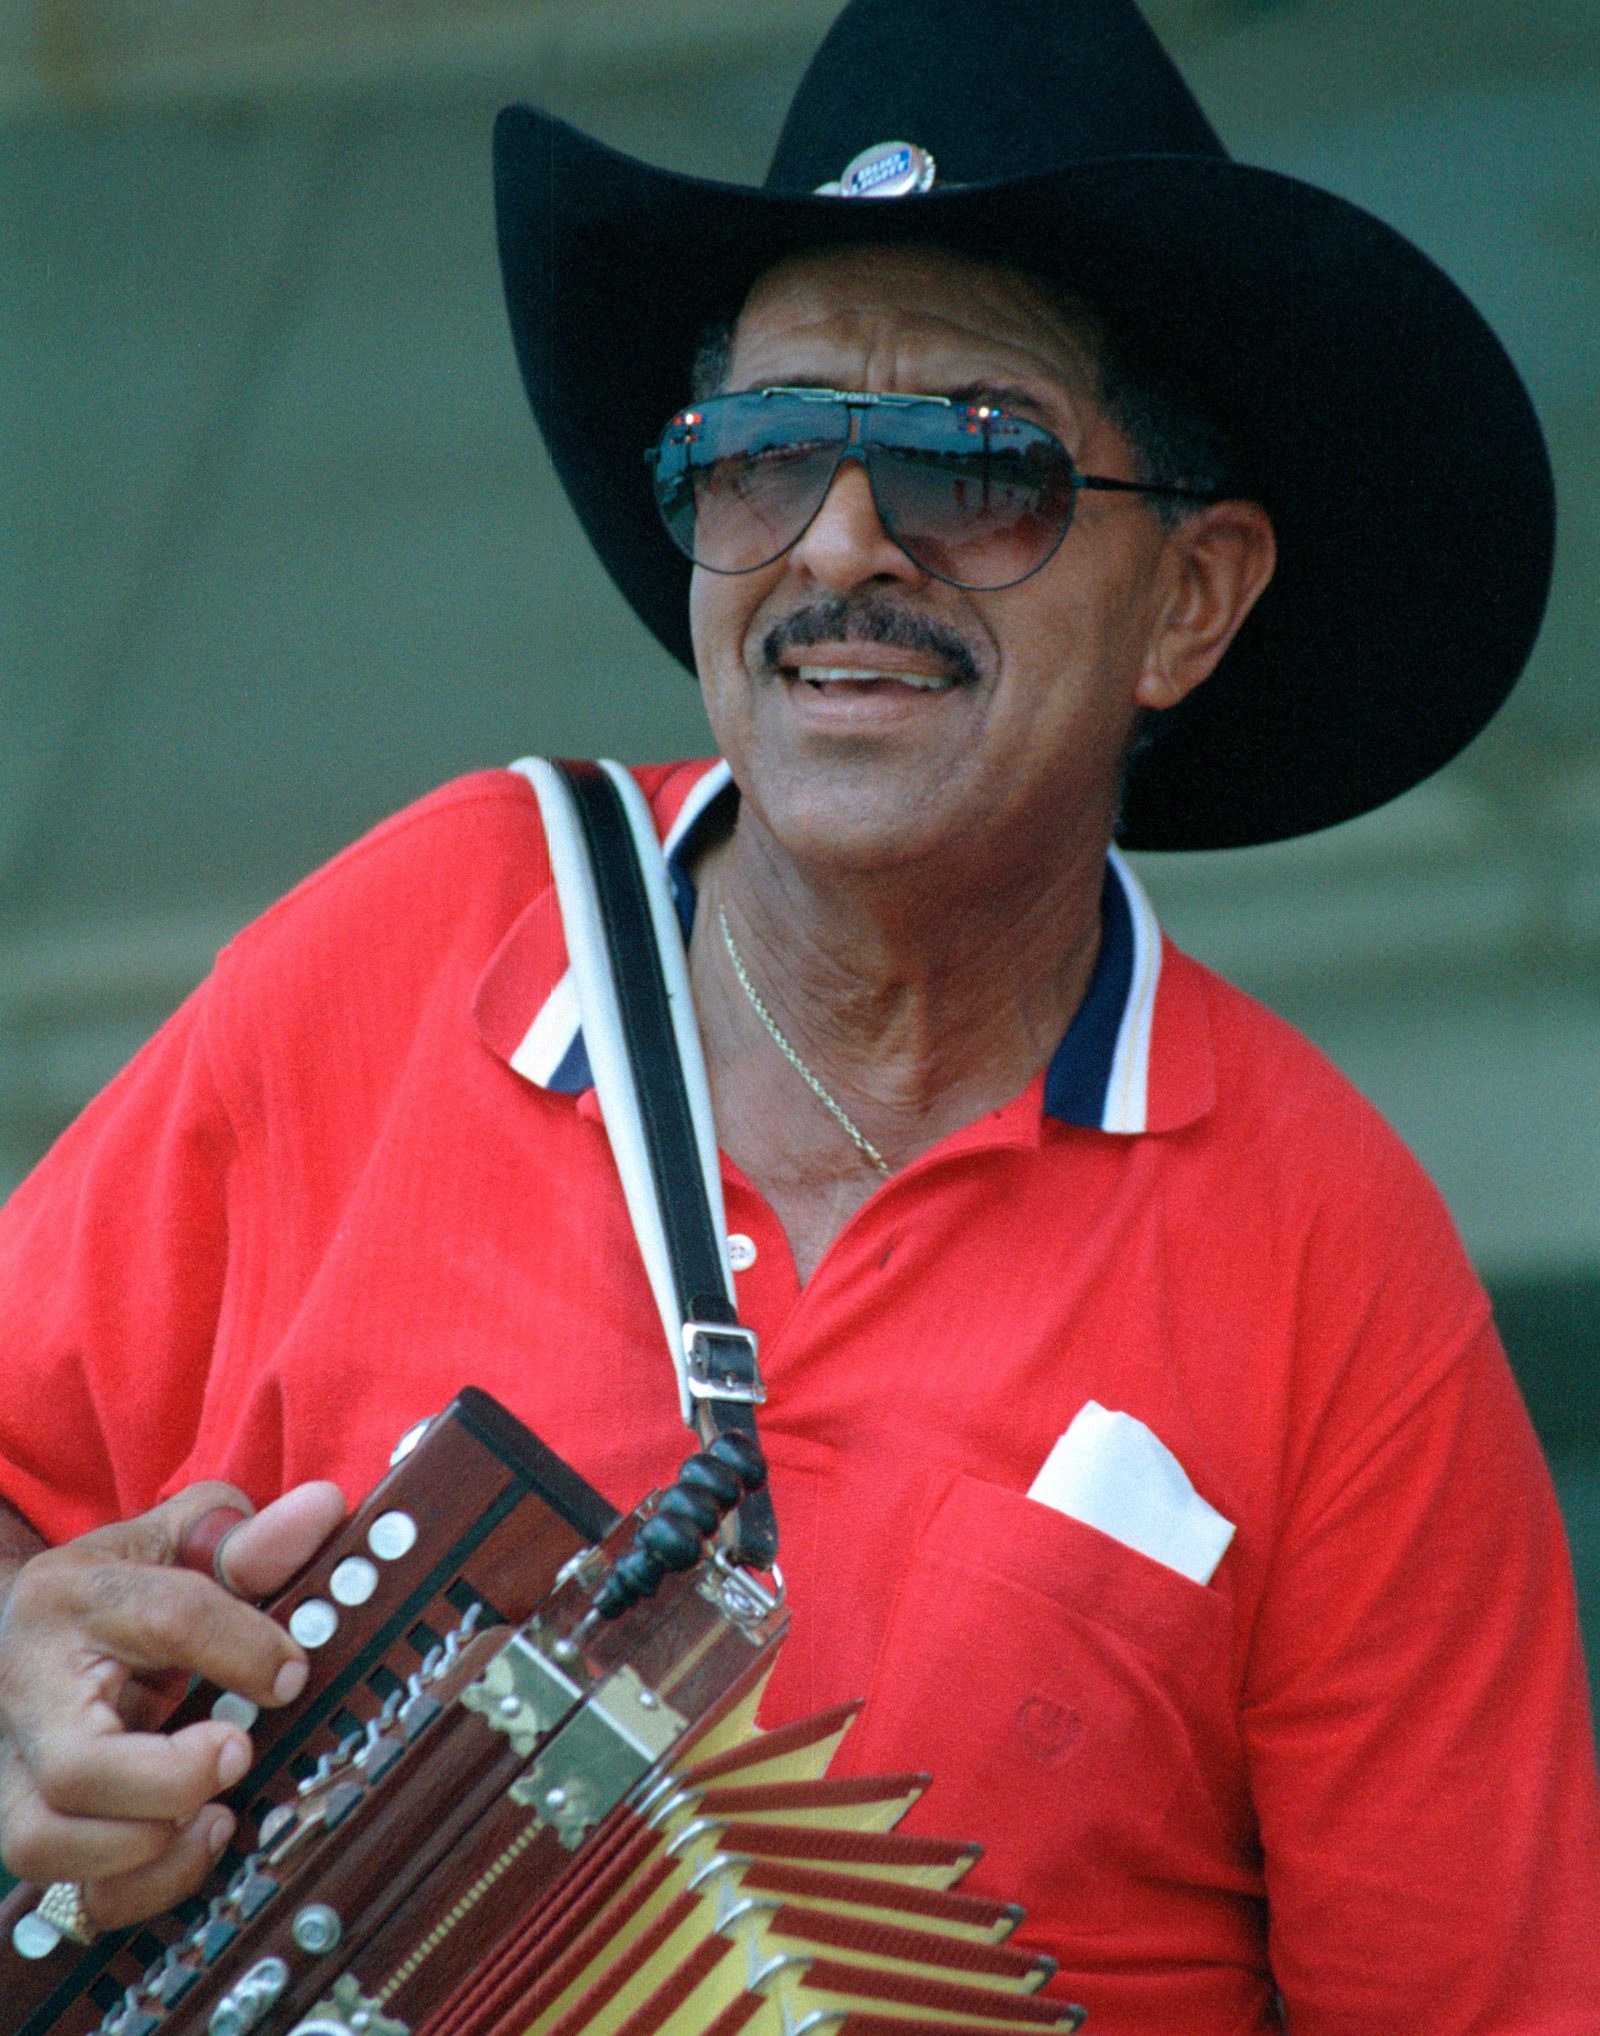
889, 169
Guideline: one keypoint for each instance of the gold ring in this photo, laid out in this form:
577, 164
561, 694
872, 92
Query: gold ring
62, 1905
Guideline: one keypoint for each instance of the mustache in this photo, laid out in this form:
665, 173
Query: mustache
843, 620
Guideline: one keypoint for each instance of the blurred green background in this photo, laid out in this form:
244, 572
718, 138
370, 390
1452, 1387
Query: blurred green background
279, 548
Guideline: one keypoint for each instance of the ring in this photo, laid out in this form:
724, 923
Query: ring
62, 1905
203, 1542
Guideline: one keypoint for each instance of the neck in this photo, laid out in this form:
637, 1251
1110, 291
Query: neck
917, 1002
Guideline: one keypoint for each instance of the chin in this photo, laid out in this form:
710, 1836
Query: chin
863, 827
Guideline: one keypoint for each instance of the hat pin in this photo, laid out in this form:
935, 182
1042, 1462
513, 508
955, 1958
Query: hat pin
889, 169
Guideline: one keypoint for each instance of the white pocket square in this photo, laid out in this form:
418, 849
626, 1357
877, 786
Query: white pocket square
1109, 1471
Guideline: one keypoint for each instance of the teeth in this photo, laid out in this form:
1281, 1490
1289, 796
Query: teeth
825, 675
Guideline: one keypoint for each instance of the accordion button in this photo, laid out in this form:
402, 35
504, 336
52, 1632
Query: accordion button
34, 1936
314, 1622
233, 1709
392, 1535
353, 1581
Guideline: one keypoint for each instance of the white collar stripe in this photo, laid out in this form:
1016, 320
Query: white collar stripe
549, 1039
1127, 1106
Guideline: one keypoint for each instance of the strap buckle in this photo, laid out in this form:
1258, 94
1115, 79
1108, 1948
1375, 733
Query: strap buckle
720, 1362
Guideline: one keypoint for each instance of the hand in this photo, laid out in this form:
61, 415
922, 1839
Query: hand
97, 1638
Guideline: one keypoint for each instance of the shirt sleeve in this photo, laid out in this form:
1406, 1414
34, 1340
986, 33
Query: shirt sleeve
1418, 1731
113, 1256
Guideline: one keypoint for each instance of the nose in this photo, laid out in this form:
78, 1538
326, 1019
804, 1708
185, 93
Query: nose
845, 543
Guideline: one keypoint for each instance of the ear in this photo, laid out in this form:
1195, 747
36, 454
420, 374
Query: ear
1218, 563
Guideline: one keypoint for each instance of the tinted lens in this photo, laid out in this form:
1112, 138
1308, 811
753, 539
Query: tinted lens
739, 477
976, 496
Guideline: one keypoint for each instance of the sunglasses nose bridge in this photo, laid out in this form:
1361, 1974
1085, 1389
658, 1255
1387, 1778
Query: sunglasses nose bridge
868, 424
853, 446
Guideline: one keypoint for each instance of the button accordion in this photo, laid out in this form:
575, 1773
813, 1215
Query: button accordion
493, 1813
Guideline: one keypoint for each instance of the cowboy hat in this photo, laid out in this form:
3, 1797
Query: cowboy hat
1385, 429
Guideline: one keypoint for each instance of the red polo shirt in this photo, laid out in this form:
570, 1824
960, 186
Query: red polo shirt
362, 1166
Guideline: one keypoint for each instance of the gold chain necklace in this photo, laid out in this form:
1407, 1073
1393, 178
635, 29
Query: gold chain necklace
858, 1137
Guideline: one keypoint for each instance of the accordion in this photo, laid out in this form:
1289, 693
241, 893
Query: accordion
491, 1813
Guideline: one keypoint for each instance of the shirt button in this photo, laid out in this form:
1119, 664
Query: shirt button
741, 1251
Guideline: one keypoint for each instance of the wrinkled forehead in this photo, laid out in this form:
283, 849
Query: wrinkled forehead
926, 313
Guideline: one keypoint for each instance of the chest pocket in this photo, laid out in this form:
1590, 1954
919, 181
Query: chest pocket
1070, 1698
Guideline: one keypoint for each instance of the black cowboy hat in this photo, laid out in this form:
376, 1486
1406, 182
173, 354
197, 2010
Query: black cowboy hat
1389, 435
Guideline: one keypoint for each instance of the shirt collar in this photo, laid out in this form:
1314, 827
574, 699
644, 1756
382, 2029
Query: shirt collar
1101, 1077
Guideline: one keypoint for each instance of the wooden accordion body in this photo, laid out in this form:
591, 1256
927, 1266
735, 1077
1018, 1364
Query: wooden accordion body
492, 1814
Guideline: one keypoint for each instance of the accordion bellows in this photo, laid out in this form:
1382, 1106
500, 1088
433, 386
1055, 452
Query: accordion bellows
491, 1814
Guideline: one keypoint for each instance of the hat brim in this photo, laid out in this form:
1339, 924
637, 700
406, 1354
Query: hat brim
1398, 452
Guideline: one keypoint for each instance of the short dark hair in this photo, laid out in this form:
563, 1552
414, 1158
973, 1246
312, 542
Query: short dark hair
712, 353
1175, 438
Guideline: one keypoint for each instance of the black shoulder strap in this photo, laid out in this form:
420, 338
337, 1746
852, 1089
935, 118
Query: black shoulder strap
717, 1364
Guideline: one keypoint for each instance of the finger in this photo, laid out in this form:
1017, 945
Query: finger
261, 1554
143, 1776
114, 1901
151, 1621
42, 1845
65, 1601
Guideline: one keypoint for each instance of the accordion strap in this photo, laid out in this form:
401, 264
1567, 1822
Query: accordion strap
629, 970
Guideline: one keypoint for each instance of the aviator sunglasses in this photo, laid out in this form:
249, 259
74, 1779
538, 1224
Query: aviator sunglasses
973, 495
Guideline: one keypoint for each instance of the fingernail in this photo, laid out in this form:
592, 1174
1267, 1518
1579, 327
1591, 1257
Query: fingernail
291, 1681
232, 1761
219, 1829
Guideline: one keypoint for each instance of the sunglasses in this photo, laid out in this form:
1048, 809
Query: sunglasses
973, 495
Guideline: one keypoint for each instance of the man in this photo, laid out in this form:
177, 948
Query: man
993, 1153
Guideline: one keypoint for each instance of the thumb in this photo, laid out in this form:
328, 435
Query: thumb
260, 1554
